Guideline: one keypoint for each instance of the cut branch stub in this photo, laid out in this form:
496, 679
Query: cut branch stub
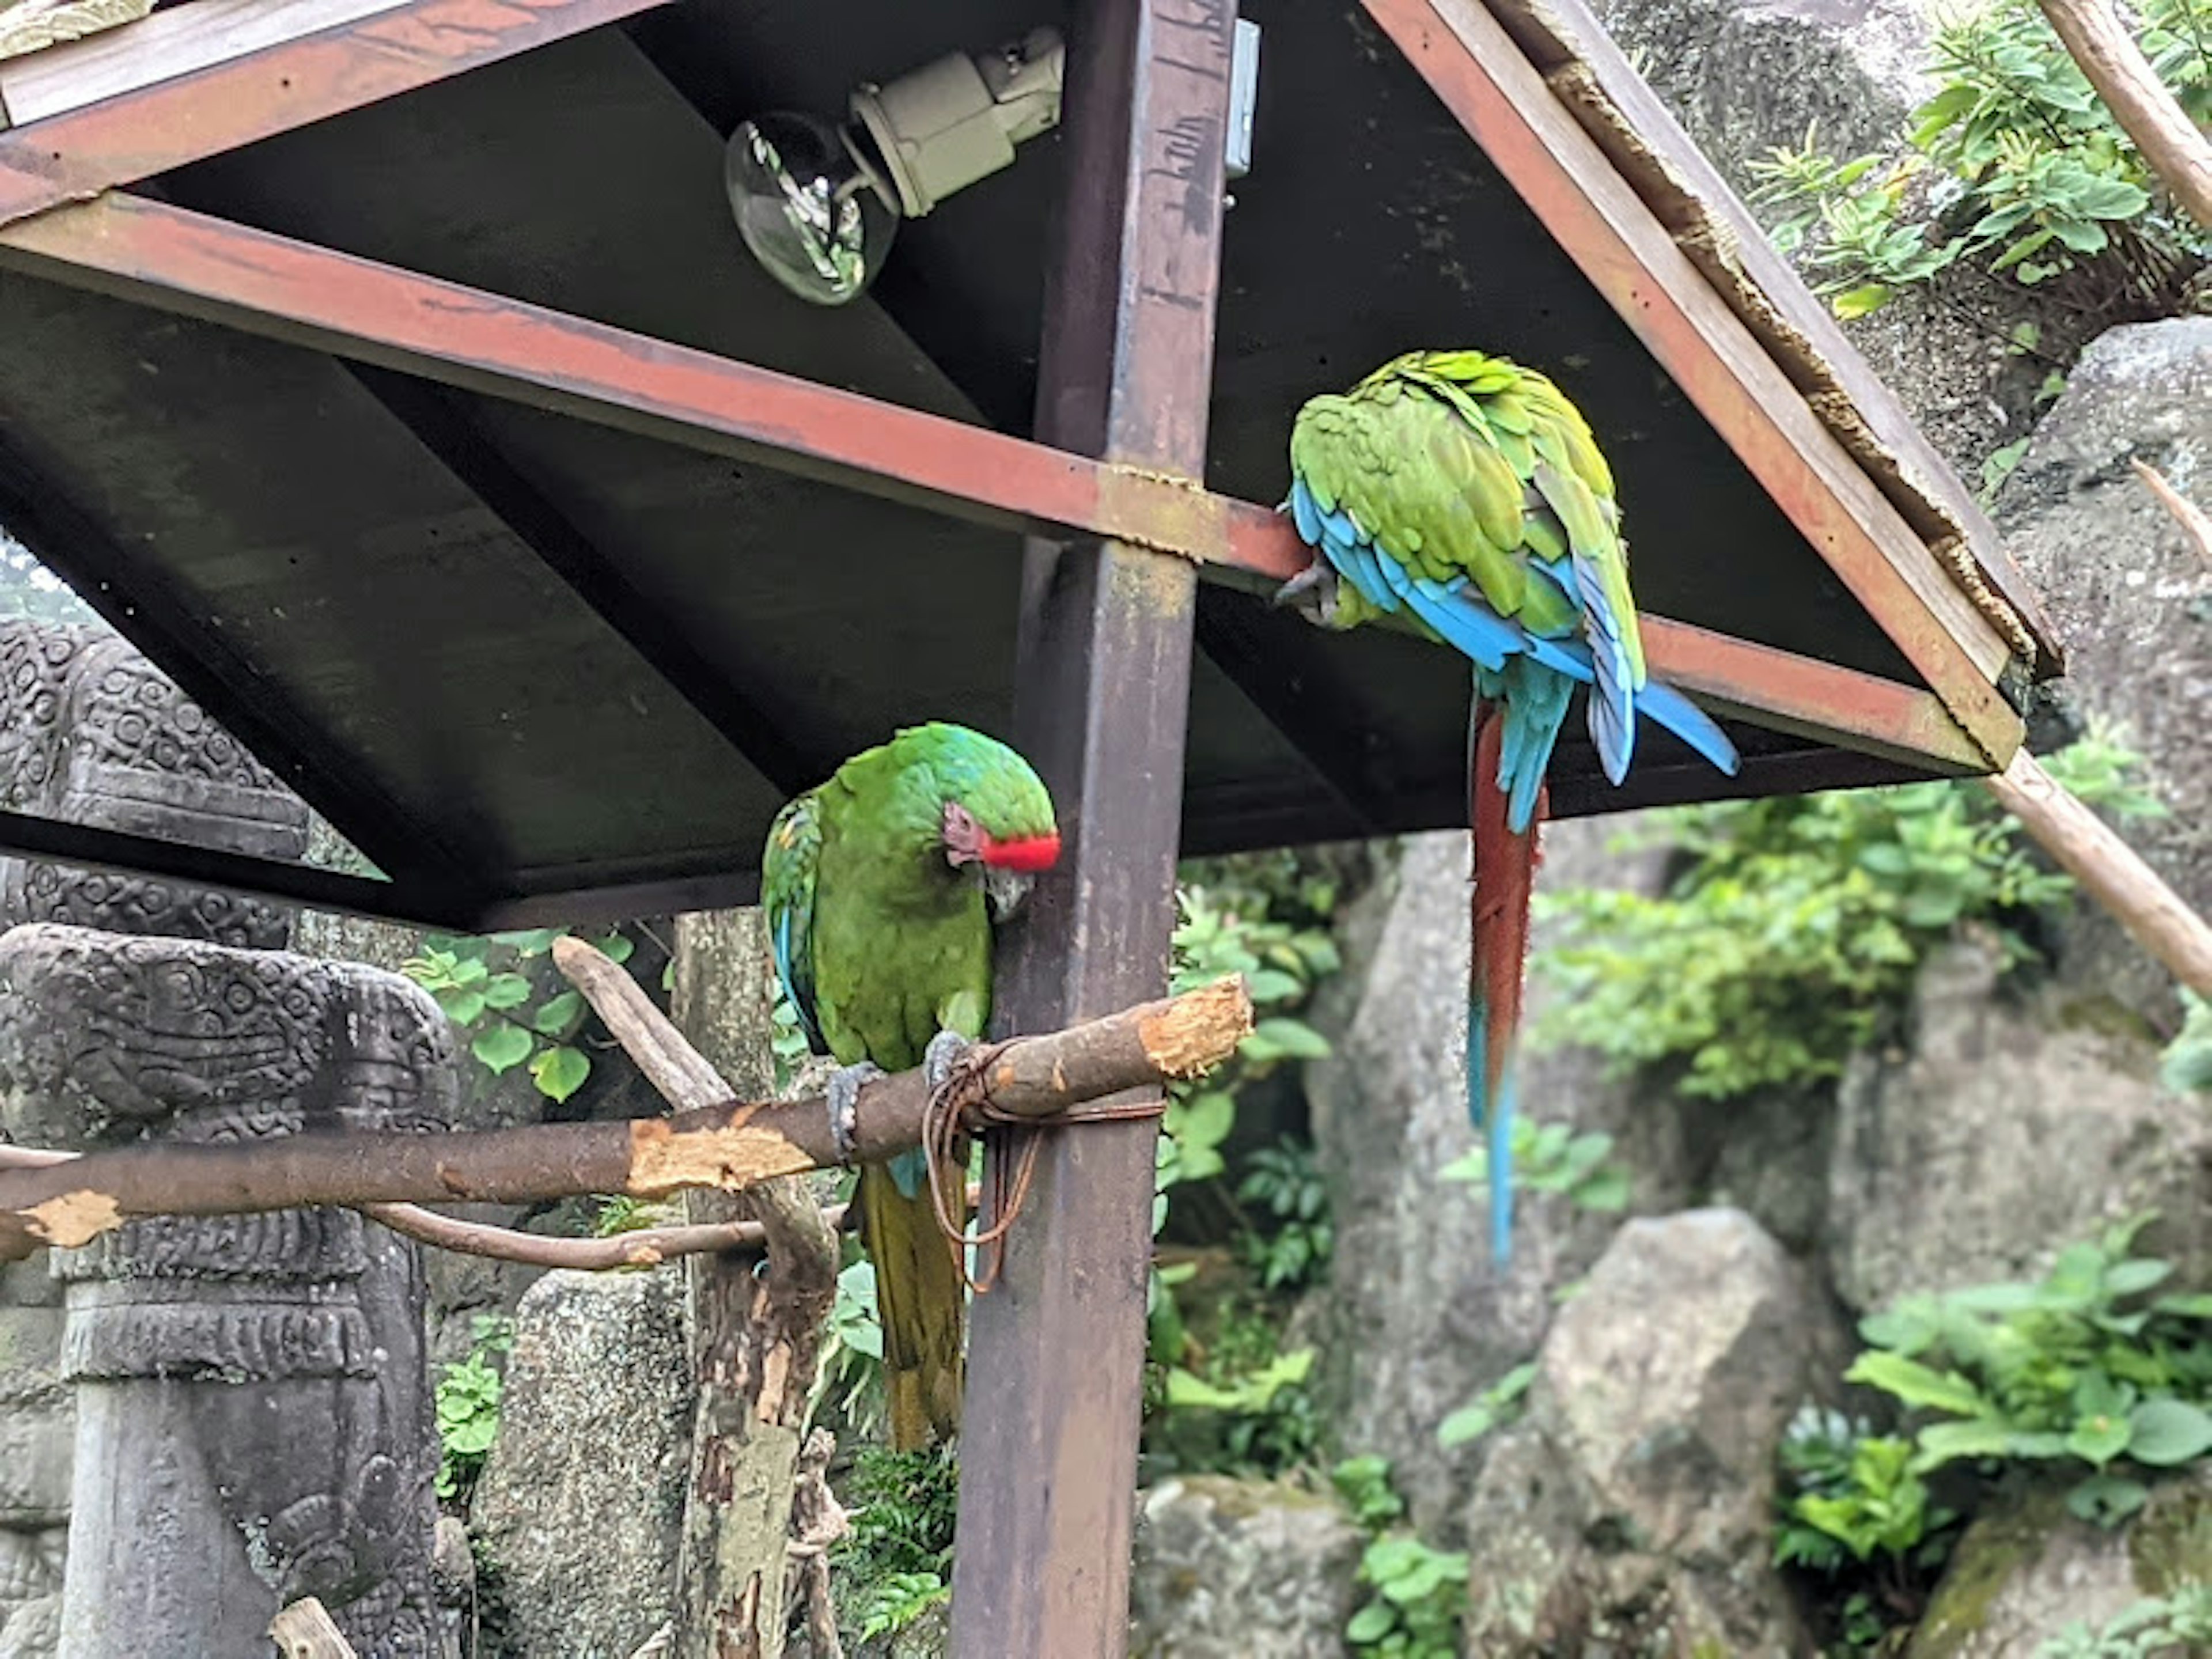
733, 1145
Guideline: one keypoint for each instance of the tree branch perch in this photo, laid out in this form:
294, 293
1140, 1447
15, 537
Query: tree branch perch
731, 1146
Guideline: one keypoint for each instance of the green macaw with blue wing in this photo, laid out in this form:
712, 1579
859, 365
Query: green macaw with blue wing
881, 886
1466, 495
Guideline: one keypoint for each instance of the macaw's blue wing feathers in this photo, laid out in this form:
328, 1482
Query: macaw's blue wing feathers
1664, 704
788, 882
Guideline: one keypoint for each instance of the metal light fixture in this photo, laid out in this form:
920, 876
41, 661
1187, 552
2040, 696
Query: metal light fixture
819, 203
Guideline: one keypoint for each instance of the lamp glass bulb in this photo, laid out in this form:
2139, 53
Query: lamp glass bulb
810, 213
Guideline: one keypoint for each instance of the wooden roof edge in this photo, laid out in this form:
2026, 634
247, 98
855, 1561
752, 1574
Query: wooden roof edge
1710, 223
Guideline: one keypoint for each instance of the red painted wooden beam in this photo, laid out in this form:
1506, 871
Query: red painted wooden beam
151, 128
249, 279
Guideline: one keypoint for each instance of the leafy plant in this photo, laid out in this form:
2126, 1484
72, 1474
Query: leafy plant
2158, 1627
2013, 163
480, 984
1852, 1510
1285, 1182
1498, 1404
2085, 1369
1799, 923
1236, 1403
900, 1599
467, 1402
848, 1377
896, 1562
2188, 1063
1550, 1157
1419, 1592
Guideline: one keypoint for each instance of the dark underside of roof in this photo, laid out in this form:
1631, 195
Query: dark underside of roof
354, 558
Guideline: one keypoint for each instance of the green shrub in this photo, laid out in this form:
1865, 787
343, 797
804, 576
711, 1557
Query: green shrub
480, 985
2015, 164
467, 1399
1418, 1593
1799, 923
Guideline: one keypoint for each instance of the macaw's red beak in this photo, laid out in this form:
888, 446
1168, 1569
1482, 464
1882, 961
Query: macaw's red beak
1028, 855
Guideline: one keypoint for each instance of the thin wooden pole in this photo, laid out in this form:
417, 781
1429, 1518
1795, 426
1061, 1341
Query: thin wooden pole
2112, 872
2112, 63
1048, 1440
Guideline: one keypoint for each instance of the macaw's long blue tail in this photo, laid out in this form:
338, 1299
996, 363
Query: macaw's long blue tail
1515, 722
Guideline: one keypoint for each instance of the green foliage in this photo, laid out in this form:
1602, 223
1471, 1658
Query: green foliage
895, 1563
1797, 927
2188, 1062
1419, 1592
1293, 1250
1550, 1157
849, 1375
2088, 1371
2015, 164
480, 985
1853, 1512
1496, 1406
467, 1399
1237, 1405
898, 1600
2159, 1627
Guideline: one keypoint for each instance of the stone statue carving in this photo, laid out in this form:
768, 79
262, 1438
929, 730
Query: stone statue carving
252, 1419
91, 732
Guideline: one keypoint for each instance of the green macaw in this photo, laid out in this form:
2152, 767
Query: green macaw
1466, 493
881, 886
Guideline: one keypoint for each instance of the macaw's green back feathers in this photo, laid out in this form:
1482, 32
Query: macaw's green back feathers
1467, 495
883, 938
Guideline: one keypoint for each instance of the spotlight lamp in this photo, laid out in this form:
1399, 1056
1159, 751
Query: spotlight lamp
818, 203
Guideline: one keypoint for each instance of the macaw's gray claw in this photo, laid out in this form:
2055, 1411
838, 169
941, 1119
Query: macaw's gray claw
938, 1060
843, 1093
1311, 592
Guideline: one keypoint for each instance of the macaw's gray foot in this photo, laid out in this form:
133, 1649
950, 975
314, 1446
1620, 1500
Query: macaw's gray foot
941, 1058
843, 1092
1311, 593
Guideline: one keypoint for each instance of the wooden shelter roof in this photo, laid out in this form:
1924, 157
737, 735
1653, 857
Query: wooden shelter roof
397, 381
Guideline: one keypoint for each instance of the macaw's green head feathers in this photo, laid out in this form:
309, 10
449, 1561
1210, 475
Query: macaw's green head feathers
993, 812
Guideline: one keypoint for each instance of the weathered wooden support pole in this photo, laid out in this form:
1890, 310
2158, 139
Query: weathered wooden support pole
1049, 1446
2114, 64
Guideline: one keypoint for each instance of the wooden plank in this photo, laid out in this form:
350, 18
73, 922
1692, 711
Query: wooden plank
122, 139
268, 284
1482, 78
1048, 1440
164, 46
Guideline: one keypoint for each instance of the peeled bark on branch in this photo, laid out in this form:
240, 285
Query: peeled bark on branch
732, 1146
2110, 61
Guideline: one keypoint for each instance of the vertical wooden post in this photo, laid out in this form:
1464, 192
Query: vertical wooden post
1048, 1440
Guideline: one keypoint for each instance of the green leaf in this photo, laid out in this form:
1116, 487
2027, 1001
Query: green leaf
506, 991
2167, 1432
1945, 1443
2132, 1278
1272, 985
1371, 1624
1292, 1039
556, 1017
2107, 1499
559, 1073
503, 1047
1916, 1384
1860, 302
2099, 1440
617, 947
462, 1007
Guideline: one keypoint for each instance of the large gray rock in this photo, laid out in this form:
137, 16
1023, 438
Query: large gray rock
578, 1514
2128, 593
1629, 1511
2026, 1569
1418, 1320
1229, 1569
2004, 1130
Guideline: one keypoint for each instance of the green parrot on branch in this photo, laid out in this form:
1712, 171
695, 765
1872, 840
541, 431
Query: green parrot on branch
1465, 495
881, 886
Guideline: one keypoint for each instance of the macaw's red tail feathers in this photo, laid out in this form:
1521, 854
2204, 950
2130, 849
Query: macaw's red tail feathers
921, 1299
1505, 874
